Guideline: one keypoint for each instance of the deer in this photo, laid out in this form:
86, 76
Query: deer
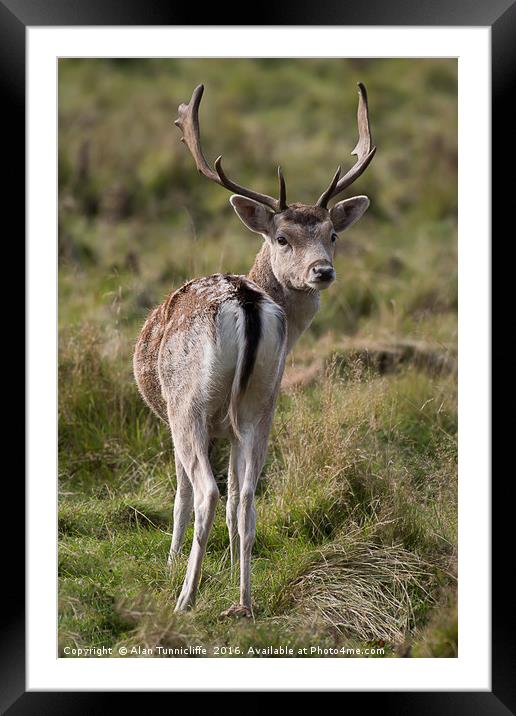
210, 358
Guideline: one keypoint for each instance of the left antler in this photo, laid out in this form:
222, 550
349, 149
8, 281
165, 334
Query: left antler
188, 123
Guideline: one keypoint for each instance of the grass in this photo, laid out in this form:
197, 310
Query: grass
357, 507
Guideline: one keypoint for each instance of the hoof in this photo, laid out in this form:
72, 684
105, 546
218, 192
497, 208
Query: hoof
183, 605
238, 610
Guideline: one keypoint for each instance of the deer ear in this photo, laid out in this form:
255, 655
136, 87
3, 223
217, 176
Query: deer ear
255, 216
346, 212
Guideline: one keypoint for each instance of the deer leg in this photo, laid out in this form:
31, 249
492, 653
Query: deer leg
183, 507
254, 451
247, 533
194, 457
205, 500
232, 504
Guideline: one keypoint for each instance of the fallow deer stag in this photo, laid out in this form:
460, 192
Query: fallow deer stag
210, 358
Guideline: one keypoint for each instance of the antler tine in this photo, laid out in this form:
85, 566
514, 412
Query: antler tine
188, 123
282, 202
364, 151
233, 186
327, 195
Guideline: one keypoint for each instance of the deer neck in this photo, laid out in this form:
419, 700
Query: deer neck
300, 306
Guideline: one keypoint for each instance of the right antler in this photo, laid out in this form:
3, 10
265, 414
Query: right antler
364, 152
188, 123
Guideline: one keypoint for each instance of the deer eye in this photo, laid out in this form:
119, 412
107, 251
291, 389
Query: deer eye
334, 237
281, 240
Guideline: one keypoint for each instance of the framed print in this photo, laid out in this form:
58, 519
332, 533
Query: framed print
262, 440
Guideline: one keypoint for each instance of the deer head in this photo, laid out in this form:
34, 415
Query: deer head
301, 237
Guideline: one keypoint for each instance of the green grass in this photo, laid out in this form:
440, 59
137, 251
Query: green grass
357, 508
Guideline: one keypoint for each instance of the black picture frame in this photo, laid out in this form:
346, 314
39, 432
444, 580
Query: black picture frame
500, 16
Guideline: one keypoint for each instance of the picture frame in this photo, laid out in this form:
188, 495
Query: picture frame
17, 17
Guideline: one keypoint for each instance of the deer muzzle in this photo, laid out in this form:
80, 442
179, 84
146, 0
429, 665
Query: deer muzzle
321, 275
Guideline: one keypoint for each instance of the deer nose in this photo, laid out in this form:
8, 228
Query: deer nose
323, 273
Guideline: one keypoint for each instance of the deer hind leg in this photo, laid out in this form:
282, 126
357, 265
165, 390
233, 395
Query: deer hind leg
192, 450
183, 508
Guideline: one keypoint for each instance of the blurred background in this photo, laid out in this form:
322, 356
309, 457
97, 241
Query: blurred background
136, 221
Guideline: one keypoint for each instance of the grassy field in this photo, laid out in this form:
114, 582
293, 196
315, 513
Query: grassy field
357, 507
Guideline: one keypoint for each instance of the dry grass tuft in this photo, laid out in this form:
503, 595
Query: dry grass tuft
153, 627
363, 590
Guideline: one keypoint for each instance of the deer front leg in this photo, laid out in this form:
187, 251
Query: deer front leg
232, 502
247, 534
245, 531
183, 506
253, 449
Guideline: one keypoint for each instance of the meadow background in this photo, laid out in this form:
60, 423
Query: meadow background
357, 508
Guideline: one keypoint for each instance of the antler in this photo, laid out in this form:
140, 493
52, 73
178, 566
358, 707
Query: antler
364, 152
188, 123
